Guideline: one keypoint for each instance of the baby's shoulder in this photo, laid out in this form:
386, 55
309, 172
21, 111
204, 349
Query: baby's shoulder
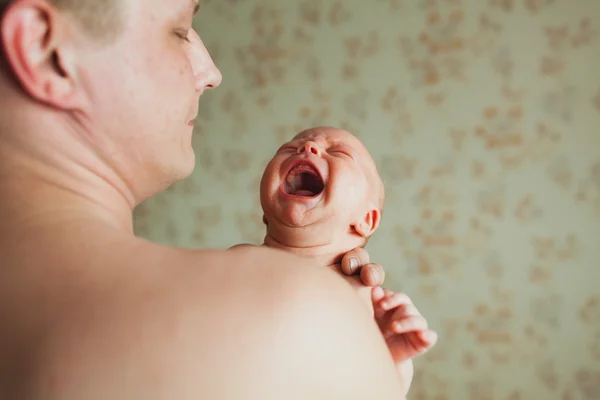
243, 246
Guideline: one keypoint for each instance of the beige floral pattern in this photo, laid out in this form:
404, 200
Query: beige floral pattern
484, 119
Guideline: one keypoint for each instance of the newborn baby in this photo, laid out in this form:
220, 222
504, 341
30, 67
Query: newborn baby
321, 197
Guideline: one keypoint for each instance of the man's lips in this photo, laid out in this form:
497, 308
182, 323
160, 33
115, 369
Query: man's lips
192, 121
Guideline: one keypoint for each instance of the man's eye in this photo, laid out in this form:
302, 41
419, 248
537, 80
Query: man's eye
183, 34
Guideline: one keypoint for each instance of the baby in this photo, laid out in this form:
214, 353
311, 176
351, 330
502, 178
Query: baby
321, 197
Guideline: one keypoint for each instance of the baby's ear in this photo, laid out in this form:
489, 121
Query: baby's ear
265, 220
366, 226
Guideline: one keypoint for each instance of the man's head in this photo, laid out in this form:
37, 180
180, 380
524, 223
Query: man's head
119, 77
100, 18
325, 182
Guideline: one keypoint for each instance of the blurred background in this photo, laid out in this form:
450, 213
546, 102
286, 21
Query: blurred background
484, 119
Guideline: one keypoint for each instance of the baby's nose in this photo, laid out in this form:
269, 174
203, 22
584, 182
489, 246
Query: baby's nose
311, 147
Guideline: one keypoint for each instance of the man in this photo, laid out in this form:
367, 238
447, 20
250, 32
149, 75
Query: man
98, 102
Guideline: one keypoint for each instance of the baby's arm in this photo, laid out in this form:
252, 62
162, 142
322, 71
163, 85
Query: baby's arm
404, 329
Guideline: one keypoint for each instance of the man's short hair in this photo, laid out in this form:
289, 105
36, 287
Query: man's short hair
100, 18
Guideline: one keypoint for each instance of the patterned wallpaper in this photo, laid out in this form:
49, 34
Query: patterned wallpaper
484, 119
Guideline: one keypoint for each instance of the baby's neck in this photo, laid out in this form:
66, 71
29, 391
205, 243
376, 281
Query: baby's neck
325, 253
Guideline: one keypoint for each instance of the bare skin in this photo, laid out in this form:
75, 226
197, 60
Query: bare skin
88, 310
322, 196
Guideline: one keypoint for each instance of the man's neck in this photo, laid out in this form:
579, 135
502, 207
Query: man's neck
33, 203
52, 177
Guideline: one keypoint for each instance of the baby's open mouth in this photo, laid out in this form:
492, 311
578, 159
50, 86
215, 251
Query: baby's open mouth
304, 181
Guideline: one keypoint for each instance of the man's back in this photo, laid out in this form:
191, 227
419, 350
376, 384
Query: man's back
122, 318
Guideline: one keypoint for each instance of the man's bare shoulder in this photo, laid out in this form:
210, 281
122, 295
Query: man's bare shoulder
321, 341
179, 324
317, 340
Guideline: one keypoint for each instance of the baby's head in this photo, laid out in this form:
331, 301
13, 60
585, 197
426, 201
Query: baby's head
321, 188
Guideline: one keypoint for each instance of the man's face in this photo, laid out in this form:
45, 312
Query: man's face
144, 89
322, 175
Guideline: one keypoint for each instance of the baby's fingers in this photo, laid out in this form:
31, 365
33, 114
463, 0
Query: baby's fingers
422, 341
428, 338
393, 300
406, 324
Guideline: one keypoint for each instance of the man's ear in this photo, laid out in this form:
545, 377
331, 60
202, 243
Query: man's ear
33, 39
367, 225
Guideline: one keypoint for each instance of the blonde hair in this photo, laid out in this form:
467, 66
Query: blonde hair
99, 18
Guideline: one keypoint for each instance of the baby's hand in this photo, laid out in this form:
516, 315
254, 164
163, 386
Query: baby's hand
402, 326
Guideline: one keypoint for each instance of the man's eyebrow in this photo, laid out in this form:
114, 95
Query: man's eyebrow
192, 8
188, 10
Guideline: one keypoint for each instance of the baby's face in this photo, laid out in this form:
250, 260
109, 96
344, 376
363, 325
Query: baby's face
322, 173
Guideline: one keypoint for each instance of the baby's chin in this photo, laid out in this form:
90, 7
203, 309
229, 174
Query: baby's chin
296, 214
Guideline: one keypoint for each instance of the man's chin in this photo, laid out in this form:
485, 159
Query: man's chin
178, 169
185, 164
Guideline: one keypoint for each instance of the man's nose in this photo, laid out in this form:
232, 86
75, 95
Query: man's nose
212, 79
206, 73
310, 147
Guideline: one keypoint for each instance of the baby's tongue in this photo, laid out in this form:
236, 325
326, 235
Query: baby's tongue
307, 193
